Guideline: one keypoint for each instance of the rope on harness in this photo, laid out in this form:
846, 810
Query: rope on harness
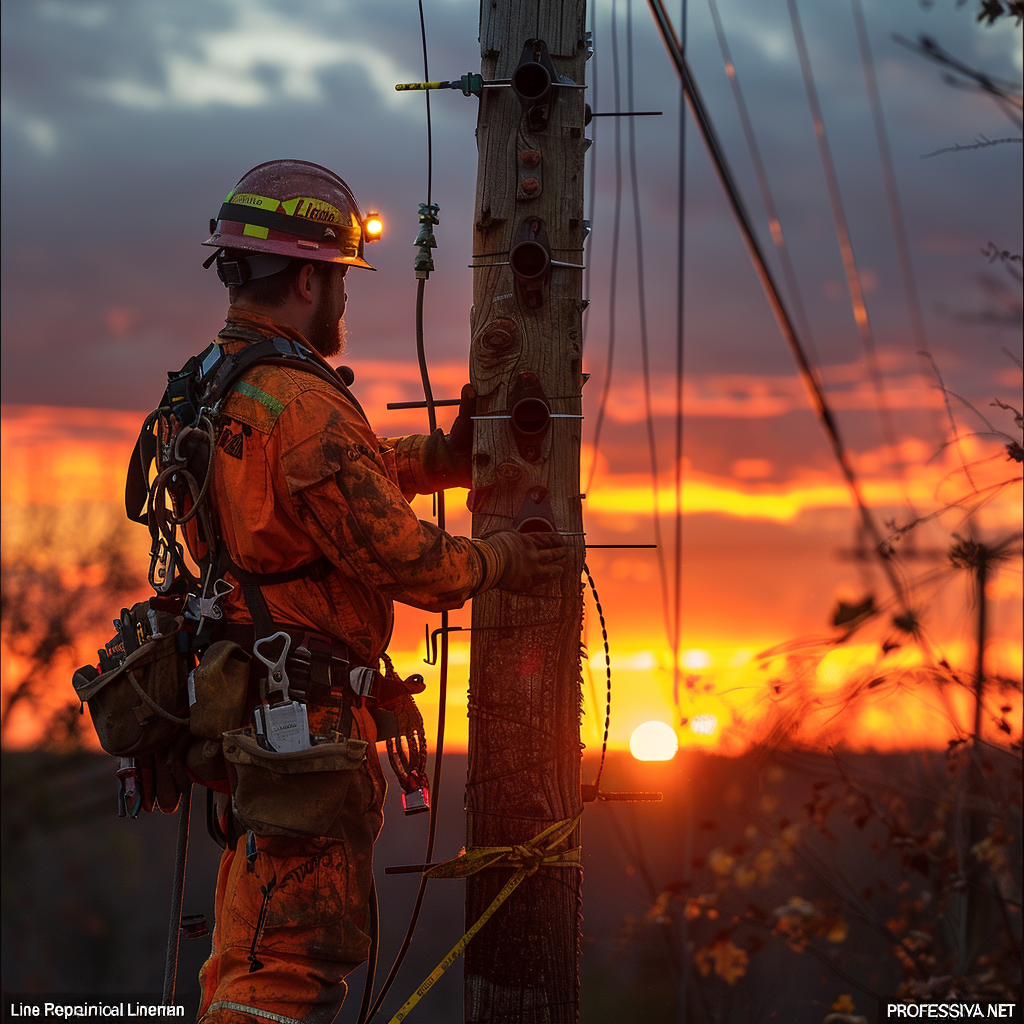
527, 858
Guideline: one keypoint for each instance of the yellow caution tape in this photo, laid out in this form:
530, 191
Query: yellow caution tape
527, 857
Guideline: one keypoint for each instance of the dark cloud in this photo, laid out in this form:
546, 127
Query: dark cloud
126, 122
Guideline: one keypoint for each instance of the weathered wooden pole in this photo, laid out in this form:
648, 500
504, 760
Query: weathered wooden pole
525, 363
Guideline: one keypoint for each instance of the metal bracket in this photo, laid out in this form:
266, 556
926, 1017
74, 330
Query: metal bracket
590, 794
532, 83
535, 514
530, 415
431, 639
530, 260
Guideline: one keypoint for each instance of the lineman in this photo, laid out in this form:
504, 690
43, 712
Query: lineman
301, 480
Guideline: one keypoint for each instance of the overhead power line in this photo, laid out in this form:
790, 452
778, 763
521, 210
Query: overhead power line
645, 355
774, 220
616, 223
835, 198
677, 562
771, 290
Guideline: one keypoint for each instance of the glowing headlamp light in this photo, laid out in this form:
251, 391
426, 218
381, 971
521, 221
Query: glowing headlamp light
373, 227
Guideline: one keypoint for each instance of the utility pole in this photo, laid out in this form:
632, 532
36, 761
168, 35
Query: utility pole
525, 363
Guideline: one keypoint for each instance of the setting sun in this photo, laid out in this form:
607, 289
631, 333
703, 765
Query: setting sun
653, 741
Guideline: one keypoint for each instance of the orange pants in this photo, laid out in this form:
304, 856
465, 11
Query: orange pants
292, 922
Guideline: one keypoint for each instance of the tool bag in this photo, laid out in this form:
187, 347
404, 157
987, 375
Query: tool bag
298, 793
140, 703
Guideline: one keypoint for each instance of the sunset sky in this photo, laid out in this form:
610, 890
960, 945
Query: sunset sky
124, 124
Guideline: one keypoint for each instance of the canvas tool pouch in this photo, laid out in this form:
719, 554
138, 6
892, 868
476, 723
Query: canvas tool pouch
299, 793
140, 706
220, 682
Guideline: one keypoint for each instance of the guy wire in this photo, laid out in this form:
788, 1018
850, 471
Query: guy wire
892, 194
774, 221
677, 563
613, 284
771, 291
367, 1013
644, 347
850, 269
592, 153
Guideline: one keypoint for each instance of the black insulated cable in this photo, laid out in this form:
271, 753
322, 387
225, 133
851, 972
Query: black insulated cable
366, 1011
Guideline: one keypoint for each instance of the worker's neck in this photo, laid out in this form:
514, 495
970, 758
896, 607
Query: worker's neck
290, 313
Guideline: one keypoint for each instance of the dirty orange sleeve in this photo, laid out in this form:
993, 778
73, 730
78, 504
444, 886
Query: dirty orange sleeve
424, 462
347, 495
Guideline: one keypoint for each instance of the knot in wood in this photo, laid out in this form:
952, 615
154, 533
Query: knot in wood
510, 471
500, 335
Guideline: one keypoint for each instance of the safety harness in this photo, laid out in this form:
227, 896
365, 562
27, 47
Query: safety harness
179, 436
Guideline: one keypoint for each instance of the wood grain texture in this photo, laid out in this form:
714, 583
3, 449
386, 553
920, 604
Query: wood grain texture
524, 701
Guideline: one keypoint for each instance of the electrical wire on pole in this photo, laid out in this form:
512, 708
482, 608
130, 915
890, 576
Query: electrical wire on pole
774, 297
774, 220
892, 192
367, 1011
677, 560
652, 443
849, 260
613, 284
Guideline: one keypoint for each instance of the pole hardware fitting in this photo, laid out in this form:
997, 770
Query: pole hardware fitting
589, 115
535, 514
530, 260
529, 415
431, 640
590, 793
471, 85
531, 178
534, 82
425, 240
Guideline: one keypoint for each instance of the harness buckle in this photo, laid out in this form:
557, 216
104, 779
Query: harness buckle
363, 680
198, 608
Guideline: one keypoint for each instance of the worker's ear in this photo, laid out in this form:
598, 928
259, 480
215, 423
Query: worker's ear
306, 284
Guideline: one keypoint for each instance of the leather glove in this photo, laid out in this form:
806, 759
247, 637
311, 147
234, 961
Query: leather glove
460, 439
529, 559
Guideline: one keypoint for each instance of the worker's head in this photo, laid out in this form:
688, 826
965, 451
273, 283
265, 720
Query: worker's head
284, 238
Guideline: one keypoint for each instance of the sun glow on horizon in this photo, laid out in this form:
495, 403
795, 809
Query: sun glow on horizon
653, 741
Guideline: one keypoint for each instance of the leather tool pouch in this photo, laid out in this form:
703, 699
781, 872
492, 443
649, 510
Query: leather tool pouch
140, 706
300, 793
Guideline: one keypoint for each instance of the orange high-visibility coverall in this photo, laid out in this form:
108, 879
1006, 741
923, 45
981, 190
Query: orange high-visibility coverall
298, 474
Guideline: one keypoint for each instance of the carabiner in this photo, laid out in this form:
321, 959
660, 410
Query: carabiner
277, 675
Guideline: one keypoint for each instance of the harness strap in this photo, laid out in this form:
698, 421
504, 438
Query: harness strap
252, 584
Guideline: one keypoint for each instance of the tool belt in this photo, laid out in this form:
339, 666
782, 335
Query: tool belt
319, 667
305, 792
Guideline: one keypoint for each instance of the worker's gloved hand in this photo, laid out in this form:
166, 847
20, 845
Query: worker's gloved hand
460, 440
529, 560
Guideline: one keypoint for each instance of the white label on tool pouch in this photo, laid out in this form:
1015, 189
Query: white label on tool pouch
191, 687
287, 726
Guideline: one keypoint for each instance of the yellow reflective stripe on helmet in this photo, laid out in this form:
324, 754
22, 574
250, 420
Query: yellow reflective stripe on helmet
301, 206
250, 199
255, 231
